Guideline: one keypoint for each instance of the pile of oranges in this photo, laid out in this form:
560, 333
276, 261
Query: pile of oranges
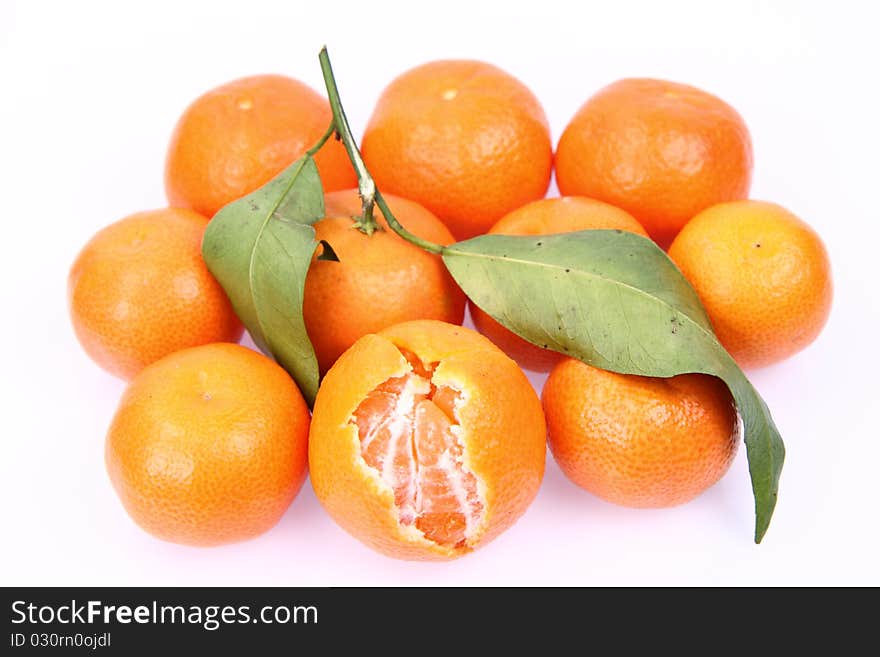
426, 439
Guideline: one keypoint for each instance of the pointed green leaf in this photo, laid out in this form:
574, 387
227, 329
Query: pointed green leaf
615, 301
259, 248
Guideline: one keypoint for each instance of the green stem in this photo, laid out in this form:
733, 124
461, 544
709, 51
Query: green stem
366, 186
323, 140
403, 232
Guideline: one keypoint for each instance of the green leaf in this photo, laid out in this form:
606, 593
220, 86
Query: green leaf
259, 248
615, 301
327, 252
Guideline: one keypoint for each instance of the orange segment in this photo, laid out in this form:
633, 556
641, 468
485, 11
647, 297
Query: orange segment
410, 441
449, 500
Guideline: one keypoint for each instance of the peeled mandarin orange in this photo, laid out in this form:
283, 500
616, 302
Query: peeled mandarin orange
545, 217
426, 441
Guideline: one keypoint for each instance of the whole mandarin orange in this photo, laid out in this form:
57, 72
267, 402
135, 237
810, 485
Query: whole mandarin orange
545, 217
463, 138
139, 290
379, 279
660, 150
238, 136
209, 445
763, 275
639, 441
426, 441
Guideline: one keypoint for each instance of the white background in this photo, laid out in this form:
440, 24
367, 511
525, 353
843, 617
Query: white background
88, 97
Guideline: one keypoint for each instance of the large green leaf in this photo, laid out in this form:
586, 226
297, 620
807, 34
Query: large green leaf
616, 301
259, 248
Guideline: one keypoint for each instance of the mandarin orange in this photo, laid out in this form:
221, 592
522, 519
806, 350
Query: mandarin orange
763, 275
209, 445
379, 279
639, 441
463, 138
139, 290
426, 441
660, 150
236, 137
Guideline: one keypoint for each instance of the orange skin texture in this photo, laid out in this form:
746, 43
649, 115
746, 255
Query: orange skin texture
662, 151
139, 290
238, 136
763, 275
209, 445
639, 441
464, 139
545, 217
379, 280
503, 429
